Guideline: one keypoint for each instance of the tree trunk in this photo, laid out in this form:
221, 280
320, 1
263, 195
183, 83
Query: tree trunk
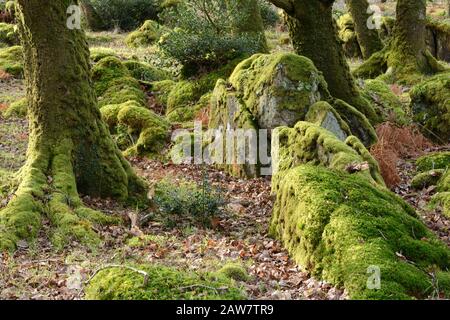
250, 21
314, 35
368, 39
70, 149
406, 57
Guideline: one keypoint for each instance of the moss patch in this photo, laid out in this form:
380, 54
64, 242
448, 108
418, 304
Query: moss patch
8, 34
147, 34
162, 283
145, 72
11, 61
430, 103
17, 109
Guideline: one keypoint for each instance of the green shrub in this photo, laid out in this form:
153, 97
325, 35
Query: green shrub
204, 41
124, 14
187, 199
268, 13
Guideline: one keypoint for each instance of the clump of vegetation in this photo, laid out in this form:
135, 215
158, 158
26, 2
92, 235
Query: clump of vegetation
152, 282
204, 37
143, 71
8, 35
17, 109
188, 200
234, 271
11, 60
146, 35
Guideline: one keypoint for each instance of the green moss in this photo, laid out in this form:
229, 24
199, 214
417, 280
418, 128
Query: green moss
234, 271
17, 109
308, 143
430, 104
145, 72
438, 160
387, 105
147, 34
162, 283
426, 179
98, 53
11, 60
121, 90
106, 70
161, 91
8, 34
347, 35
339, 226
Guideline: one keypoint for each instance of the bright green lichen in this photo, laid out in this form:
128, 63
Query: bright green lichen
17, 109
387, 105
11, 60
147, 34
430, 104
160, 283
342, 228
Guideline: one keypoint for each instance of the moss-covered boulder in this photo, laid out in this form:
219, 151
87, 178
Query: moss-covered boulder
98, 53
17, 109
430, 104
11, 61
123, 104
143, 71
437, 160
161, 91
438, 38
8, 35
146, 35
339, 221
324, 115
387, 105
152, 282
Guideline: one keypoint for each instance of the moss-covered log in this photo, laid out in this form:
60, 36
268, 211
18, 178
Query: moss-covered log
368, 39
70, 149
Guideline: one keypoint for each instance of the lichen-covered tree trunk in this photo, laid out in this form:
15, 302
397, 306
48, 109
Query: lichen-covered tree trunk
70, 149
406, 57
250, 21
314, 35
368, 39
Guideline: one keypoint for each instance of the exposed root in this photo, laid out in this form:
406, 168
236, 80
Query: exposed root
48, 187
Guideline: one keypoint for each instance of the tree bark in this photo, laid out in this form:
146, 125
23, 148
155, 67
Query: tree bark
368, 39
406, 57
314, 35
70, 148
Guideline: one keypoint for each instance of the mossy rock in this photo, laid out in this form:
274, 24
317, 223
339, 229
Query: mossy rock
145, 72
308, 143
278, 89
161, 91
437, 160
17, 109
387, 105
106, 70
162, 283
430, 104
122, 90
341, 227
8, 34
324, 115
146, 35
11, 61
426, 179
98, 53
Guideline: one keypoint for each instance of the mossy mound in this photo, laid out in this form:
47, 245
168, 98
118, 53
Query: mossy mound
387, 105
162, 283
434, 170
98, 53
17, 109
343, 228
438, 38
234, 271
430, 104
307, 143
146, 35
8, 35
161, 91
347, 34
11, 61
145, 72
137, 129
